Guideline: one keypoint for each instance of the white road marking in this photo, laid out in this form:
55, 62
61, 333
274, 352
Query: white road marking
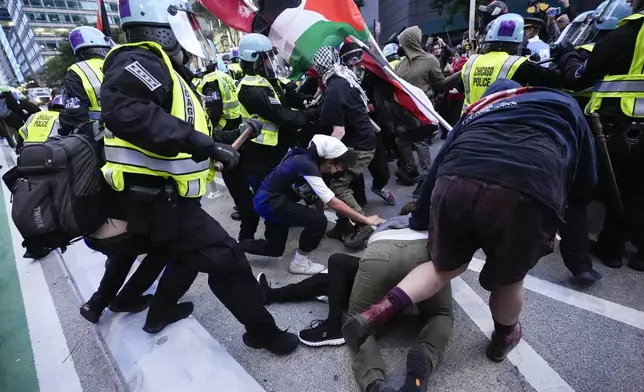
535, 369
45, 331
580, 300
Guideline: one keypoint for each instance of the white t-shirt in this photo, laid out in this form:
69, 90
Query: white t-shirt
319, 187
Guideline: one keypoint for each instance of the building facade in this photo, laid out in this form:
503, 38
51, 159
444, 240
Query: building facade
35, 29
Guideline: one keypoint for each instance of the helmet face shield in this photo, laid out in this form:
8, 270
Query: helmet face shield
274, 66
580, 31
187, 30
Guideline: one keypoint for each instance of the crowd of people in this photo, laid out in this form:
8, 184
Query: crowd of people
519, 166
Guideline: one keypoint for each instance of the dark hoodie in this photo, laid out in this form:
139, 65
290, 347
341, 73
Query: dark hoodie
537, 143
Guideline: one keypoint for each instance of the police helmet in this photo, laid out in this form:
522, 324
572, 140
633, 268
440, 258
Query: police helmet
506, 28
56, 104
87, 41
258, 56
617, 10
166, 22
390, 50
234, 53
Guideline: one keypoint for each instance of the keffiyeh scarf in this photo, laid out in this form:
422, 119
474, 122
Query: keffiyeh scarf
327, 64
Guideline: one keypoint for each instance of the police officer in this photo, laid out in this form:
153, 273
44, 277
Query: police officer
539, 49
260, 93
234, 69
157, 162
618, 99
42, 125
81, 87
391, 54
500, 58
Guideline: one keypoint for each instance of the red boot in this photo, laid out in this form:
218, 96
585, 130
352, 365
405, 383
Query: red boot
358, 328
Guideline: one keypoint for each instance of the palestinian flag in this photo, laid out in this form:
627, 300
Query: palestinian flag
415, 103
234, 13
298, 28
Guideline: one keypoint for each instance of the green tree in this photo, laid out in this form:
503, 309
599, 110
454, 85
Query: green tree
55, 68
222, 35
451, 8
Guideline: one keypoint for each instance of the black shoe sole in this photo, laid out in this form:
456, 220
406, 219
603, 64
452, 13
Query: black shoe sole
417, 370
355, 332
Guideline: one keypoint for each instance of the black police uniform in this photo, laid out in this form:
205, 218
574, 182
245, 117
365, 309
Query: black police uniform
257, 160
76, 103
137, 109
582, 72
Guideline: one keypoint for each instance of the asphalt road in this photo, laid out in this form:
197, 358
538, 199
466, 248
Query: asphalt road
574, 339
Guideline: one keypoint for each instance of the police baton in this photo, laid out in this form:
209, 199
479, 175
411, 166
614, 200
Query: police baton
598, 130
245, 135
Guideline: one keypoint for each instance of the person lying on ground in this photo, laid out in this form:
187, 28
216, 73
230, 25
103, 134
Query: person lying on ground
500, 184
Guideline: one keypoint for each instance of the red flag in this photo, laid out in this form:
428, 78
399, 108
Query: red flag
234, 13
405, 100
102, 20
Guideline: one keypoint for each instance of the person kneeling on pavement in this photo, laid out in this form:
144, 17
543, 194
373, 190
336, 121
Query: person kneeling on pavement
346, 117
300, 176
499, 183
354, 283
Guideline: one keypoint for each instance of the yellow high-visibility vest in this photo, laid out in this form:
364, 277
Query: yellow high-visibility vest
235, 71
393, 63
629, 87
40, 127
481, 70
268, 136
228, 90
91, 74
123, 157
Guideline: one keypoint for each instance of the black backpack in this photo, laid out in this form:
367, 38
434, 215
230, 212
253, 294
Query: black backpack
58, 191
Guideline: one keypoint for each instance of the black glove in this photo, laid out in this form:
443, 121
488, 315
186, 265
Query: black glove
225, 154
255, 125
560, 49
536, 57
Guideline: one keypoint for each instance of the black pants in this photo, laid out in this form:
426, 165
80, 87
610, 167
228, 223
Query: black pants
256, 162
574, 245
116, 272
201, 245
278, 219
628, 164
379, 169
337, 284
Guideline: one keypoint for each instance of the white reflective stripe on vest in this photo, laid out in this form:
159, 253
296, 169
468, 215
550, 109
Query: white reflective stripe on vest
505, 69
620, 86
126, 156
231, 105
466, 73
93, 79
638, 110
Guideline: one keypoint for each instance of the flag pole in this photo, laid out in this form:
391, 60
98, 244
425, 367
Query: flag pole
471, 24
392, 74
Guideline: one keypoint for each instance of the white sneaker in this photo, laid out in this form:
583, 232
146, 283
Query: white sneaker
305, 267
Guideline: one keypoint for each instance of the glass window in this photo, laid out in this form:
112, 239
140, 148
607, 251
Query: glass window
67, 18
73, 4
34, 3
60, 3
40, 17
48, 3
88, 5
54, 18
79, 19
31, 16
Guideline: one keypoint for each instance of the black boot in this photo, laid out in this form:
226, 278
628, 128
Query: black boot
341, 229
36, 253
236, 216
126, 305
92, 309
636, 262
155, 322
380, 386
359, 237
612, 261
278, 342
418, 370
